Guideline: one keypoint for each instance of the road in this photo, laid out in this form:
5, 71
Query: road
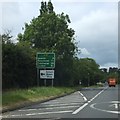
86, 103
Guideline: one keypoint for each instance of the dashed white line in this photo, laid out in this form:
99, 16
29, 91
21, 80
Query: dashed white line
85, 99
83, 106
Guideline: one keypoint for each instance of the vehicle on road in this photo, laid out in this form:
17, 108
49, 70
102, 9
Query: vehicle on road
112, 82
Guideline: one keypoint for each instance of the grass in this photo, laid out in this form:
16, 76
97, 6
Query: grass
16, 97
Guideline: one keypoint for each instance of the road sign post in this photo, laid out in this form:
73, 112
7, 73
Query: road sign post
37, 77
45, 62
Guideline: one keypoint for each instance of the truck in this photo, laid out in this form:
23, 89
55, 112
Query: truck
112, 82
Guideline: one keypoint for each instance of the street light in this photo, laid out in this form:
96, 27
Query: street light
88, 80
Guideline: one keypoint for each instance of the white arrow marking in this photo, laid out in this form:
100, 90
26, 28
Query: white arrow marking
115, 105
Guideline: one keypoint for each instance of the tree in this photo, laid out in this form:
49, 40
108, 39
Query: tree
49, 32
88, 70
18, 65
6, 37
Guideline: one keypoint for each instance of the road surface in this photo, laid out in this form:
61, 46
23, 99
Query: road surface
86, 103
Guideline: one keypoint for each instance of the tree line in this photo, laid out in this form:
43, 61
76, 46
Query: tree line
49, 32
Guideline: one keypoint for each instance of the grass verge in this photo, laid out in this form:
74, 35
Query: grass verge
17, 97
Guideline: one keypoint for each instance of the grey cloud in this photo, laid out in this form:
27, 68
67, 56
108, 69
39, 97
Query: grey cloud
95, 25
15, 14
98, 33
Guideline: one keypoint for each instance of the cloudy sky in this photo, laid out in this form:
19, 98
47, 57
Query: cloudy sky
95, 24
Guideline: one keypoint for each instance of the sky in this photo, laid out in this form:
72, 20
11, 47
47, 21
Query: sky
95, 24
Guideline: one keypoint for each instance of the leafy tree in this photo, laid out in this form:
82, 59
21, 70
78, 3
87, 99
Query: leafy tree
6, 37
49, 32
88, 71
18, 65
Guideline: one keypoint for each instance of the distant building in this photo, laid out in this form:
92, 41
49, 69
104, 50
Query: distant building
113, 70
104, 70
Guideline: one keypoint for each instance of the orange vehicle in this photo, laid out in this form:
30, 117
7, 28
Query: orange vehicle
112, 82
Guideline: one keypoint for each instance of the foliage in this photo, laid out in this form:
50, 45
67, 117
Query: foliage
6, 37
49, 32
87, 71
11, 98
18, 69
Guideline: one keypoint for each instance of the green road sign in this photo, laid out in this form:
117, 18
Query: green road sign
45, 60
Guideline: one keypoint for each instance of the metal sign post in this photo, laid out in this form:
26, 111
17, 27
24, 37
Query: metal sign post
52, 82
37, 76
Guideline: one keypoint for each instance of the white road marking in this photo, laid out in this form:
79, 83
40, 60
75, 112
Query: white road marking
16, 115
114, 105
64, 104
44, 113
51, 103
48, 108
97, 95
28, 110
80, 108
85, 99
92, 106
49, 113
117, 102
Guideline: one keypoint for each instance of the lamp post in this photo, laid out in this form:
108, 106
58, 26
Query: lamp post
88, 80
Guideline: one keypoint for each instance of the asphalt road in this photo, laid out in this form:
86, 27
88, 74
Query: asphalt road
86, 103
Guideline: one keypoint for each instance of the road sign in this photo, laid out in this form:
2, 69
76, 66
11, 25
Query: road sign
47, 74
45, 60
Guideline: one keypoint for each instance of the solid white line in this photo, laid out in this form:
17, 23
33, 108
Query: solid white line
28, 110
16, 115
51, 103
85, 99
65, 104
49, 113
80, 108
48, 108
95, 96
30, 114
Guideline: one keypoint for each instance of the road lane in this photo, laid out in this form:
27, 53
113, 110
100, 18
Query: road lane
102, 106
80, 108
99, 100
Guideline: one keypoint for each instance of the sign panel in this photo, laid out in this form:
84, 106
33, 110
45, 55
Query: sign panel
47, 74
45, 60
